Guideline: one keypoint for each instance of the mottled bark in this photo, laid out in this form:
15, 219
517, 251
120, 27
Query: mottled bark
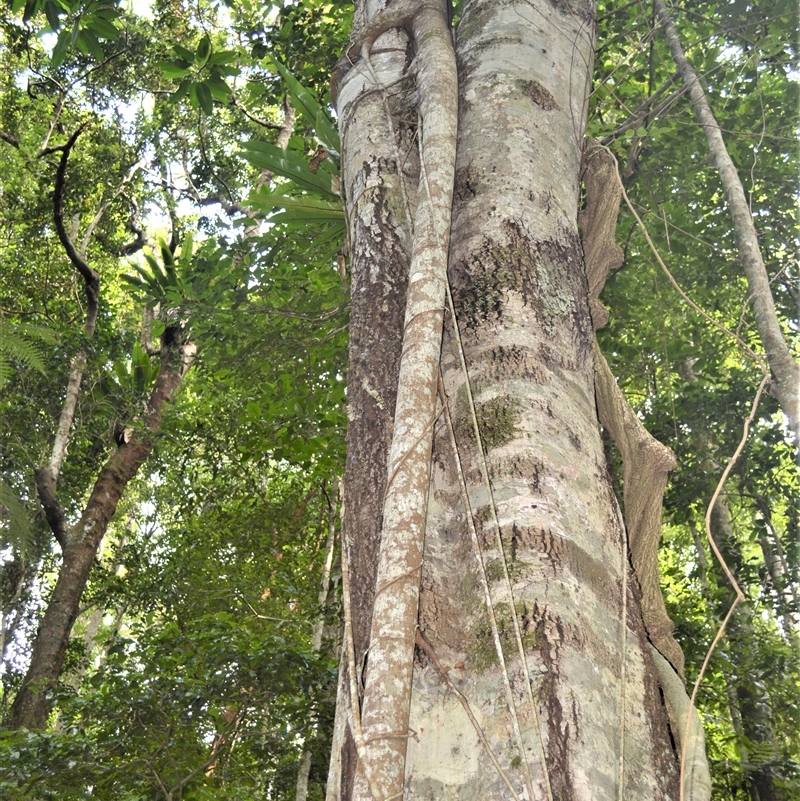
32, 703
785, 369
580, 688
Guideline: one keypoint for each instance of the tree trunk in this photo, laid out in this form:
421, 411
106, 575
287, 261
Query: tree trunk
524, 546
783, 366
763, 777
32, 704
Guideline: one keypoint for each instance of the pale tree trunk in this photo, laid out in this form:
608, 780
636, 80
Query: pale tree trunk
783, 584
784, 368
304, 768
524, 544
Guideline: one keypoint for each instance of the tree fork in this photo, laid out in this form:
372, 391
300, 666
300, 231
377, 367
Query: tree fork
32, 703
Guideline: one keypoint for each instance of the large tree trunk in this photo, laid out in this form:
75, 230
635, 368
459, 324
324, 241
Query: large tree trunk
80, 542
524, 545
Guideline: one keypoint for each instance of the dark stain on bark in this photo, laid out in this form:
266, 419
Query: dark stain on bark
558, 730
503, 361
563, 555
666, 758
582, 9
465, 186
534, 91
497, 422
548, 274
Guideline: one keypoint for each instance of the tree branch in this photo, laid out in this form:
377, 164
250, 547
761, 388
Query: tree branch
646, 109
784, 367
53, 510
90, 276
9, 139
253, 118
104, 208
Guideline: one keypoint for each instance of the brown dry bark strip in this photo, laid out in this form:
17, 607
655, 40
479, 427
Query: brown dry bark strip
646, 462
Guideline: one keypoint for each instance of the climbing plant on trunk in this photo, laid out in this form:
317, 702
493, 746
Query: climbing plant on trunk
496, 636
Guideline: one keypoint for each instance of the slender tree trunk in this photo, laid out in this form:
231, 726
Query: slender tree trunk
304, 768
533, 676
785, 588
752, 703
784, 367
32, 704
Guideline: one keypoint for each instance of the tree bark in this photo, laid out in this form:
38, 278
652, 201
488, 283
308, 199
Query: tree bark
570, 705
32, 703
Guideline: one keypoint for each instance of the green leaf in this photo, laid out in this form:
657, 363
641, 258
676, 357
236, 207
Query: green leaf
336, 231
18, 531
222, 57
60, 50
327, 133
219, 89
21, 343
298, 209
101, 27
187, 253
183, 53
181, 91
88, 43
204, 98
31, 7
203, 50
174, 69
52, 12
289, 165
309, 106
